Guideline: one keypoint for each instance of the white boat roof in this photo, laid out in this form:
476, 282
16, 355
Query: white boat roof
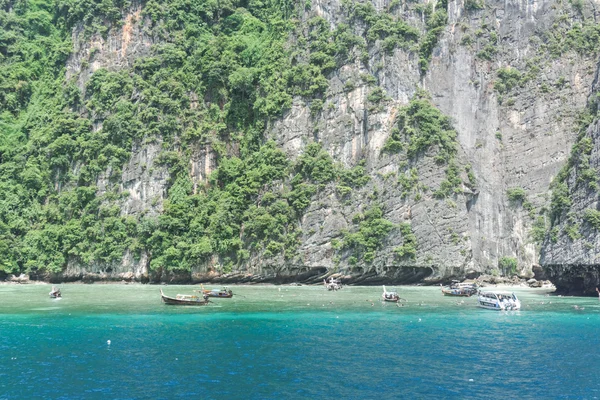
494, 292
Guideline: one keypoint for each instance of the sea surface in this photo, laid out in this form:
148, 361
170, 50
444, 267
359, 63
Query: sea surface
293, 342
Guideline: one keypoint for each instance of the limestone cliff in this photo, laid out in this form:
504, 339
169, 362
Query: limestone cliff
513, 101
570, 252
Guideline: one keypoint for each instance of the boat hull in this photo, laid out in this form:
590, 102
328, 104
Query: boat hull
183, 302
332, 285
391, 297
450, 292
489, 306
498, 301
219, 295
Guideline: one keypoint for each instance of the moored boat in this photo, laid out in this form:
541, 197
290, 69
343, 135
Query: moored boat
222, 293
185, 299
55, 293
462, 289
333, 284
390, 296
498, 301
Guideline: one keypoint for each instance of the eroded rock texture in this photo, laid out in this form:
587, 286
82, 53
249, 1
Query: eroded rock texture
509, 135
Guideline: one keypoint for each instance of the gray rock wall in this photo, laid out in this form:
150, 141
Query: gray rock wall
515, 139
571, 256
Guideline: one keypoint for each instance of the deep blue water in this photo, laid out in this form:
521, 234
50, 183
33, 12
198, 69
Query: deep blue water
299, 343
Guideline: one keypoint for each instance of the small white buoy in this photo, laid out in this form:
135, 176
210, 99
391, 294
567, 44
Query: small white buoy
419, 319
108, 342
470, 380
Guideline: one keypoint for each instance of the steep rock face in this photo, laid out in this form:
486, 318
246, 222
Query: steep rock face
517, 137
117, 50
571, 254
522, 144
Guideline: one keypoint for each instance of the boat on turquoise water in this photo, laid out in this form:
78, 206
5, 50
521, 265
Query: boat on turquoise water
222, 293
332, 284
498, 301
391, 296
185, 299
461, 289
55, 293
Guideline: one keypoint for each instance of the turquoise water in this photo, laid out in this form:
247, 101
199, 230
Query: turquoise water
293, 342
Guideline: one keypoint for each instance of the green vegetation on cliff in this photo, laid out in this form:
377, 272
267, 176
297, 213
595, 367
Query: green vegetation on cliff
419, 127
58, 140
217, 74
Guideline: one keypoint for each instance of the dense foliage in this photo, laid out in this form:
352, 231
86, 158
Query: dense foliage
230, 58
218, 73
57, 140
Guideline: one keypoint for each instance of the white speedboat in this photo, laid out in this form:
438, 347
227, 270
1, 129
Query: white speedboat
498, 301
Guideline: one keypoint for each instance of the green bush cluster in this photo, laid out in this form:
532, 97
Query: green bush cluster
508, 78
581, 37
422, 125
435, 25
539, 230
392, 31
408, 250
592, 217
508, 265
372, 230
516, 194
451, 184
561, 200
419, 127
474, 5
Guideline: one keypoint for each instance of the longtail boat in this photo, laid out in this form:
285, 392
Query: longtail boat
390, 296
333, 284
222, 293
55, 293
185, 299
460, 289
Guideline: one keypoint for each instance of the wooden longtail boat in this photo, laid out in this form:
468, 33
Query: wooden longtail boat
460, 289
185, 299
390, 296
333, 284
55, 293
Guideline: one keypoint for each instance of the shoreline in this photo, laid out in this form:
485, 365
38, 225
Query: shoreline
258, 284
